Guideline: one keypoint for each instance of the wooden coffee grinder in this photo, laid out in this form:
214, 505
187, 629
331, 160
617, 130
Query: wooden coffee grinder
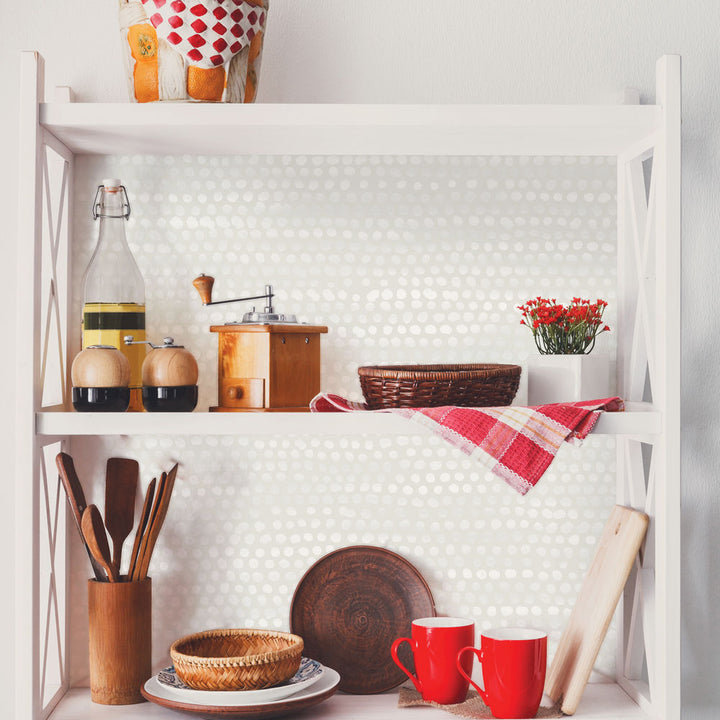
268, 362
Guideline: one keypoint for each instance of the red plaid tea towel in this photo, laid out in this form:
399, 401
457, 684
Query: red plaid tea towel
517, 443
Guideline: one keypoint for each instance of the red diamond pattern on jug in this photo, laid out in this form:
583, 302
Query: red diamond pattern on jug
186, 26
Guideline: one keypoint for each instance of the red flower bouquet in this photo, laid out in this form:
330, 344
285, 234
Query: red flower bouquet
560, 330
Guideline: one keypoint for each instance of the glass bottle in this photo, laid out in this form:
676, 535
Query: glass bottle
113, 287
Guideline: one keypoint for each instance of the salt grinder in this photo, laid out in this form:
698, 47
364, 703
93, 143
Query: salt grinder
100, 377
169, 377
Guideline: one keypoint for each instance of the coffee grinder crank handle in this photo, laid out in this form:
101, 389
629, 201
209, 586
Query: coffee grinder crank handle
204, 284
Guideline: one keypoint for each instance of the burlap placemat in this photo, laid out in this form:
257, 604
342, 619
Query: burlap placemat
473, 707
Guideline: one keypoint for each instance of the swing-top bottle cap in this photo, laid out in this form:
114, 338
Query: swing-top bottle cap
104, 205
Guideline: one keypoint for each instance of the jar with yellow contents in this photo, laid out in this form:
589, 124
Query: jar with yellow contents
113, 287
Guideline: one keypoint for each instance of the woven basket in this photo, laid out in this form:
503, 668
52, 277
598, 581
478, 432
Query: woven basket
236, 659
406, 386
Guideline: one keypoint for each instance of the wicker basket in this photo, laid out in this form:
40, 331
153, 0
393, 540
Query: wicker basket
236, 659
405, 386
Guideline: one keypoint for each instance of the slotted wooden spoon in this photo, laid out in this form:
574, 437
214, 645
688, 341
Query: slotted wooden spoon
121, 480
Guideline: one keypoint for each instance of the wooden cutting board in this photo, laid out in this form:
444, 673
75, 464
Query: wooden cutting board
580, 643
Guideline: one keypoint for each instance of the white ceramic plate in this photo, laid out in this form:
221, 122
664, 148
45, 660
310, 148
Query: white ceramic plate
319, 692
172, 688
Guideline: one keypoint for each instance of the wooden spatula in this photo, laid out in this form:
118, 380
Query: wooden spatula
96, 539
76, 499
121, 479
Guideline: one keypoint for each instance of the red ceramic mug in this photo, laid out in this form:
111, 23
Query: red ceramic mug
513, 669
435, 644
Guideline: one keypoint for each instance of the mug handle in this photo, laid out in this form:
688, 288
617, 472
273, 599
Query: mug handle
479, 655
393, 652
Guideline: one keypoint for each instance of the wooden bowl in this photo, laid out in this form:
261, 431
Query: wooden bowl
236, 659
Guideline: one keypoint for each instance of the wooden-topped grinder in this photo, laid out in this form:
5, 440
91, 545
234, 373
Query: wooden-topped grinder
267, 362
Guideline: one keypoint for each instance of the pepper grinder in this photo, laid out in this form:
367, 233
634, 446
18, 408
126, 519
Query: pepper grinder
169, 377
100, 377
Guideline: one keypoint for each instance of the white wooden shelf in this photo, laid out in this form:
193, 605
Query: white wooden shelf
648, 281
279, 129
638, 420
601, 701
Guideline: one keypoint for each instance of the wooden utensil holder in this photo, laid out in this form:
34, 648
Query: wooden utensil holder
120, 617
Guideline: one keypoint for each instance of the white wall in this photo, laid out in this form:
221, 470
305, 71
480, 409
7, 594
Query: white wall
464, 51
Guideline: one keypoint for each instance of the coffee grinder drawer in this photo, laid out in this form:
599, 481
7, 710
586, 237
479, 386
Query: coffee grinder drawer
246, 393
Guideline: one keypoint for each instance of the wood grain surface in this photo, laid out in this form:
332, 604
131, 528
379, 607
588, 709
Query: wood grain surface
121, 481
120, 635
268, 367
158, 513
142, 526
349, 608
595, 606
169, 367
76, 499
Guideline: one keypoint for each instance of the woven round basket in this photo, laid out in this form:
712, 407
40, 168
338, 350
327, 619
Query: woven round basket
236, 659
413, 386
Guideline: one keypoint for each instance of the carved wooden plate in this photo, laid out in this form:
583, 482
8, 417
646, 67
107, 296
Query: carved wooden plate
351, 605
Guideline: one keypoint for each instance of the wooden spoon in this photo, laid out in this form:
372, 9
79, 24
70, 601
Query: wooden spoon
159, 511
96, 539
76, 499
142, 525
159, 490
121, 480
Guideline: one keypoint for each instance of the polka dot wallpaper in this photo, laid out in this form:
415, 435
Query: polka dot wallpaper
406, 260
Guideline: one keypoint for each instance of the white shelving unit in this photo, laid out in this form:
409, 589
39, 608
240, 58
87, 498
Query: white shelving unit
639, 419
648, 362
354, 129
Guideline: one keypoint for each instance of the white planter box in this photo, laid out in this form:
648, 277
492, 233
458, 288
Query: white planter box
567, 378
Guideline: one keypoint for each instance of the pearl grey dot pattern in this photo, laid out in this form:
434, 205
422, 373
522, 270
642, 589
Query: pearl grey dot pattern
405, 259
249, 516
